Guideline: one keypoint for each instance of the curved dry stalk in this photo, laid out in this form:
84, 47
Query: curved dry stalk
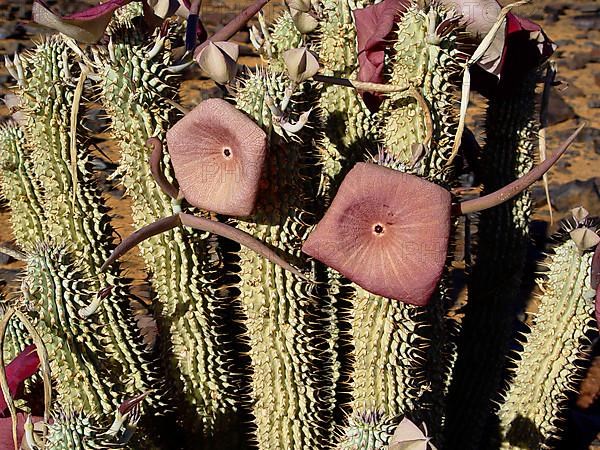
550, 76
158, 227
466, 83
85, 71
155, 168
361, 85
202, 224
517, 186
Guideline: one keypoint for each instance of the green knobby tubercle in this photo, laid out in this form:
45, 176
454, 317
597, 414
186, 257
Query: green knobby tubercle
18, 187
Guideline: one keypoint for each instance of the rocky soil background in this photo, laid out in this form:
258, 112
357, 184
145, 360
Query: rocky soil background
575, 28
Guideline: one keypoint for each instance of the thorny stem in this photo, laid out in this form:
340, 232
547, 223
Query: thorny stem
517, 186
385, 89
202, 224
229, 30
156, 169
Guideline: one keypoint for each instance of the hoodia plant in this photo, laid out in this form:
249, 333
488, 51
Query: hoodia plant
298, 233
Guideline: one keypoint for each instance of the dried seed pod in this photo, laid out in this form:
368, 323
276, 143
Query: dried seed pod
305, 22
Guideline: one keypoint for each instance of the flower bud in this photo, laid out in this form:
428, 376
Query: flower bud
584, 238
300, 64
219, 61
305, 23
299, 5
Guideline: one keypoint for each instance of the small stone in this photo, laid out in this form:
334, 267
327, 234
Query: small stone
594, 103
559, 110
573, 91
588, 8
586, 22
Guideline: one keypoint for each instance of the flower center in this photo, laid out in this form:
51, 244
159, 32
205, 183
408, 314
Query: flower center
378, 229
227, 153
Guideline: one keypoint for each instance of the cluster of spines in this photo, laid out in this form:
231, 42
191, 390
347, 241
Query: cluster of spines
555, 352
288, 328
367, 430
77, 431
423, 62
193, 304
74, 345
494, 290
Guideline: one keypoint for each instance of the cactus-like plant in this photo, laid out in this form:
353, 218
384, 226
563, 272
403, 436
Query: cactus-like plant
325, 325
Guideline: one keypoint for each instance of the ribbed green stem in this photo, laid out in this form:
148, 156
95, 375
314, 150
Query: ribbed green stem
555, 353
289, 328
402, 351
74, 210
494, 287
17, 186
193, 309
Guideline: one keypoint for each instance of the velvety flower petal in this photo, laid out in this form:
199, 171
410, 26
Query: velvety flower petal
387, 231
374, 25
87, 26
18, 370
218, 155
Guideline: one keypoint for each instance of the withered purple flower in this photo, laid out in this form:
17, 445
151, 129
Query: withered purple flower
88, 26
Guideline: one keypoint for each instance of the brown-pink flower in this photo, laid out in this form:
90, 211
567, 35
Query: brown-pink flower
218, 154
387, 231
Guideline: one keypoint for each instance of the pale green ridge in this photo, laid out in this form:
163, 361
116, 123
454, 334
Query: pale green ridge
18, 188
74, 209
494, 288
288, 326
192, 302
552, 363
